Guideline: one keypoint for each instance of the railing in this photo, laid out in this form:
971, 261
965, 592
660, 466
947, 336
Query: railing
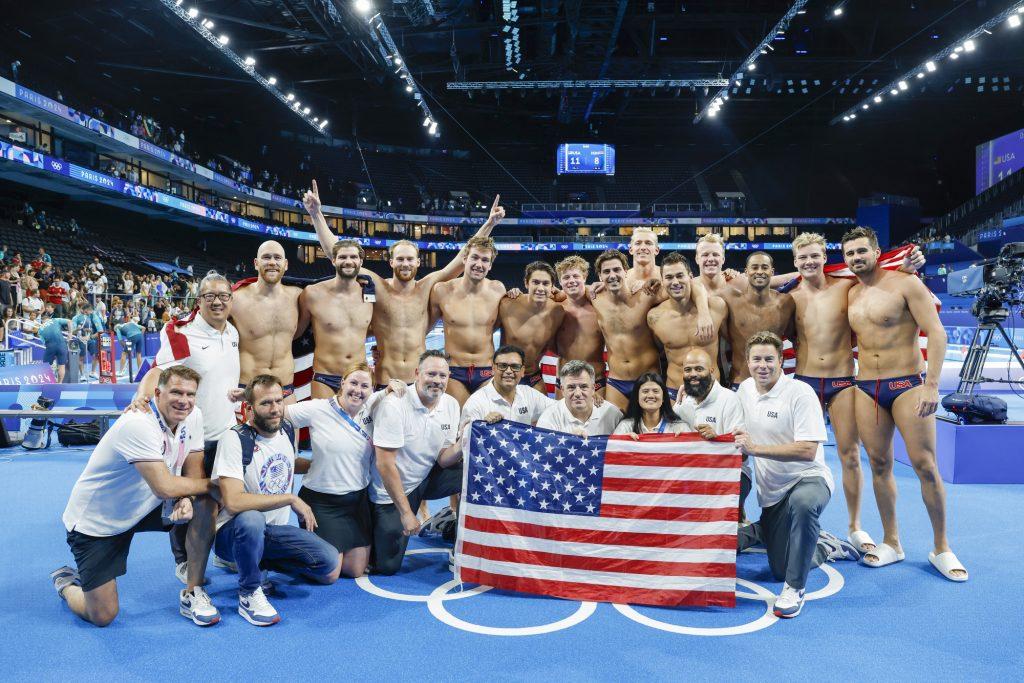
586, 207
690, 207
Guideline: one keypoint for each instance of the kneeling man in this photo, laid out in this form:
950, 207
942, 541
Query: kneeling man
785, 430
254, 467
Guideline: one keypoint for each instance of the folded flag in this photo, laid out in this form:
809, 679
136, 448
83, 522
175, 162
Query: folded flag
601, 518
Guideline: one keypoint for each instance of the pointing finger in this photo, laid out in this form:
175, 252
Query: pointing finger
316, 190
497, 198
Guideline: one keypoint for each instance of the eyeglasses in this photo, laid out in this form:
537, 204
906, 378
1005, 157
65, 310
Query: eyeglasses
514, 367
210, 296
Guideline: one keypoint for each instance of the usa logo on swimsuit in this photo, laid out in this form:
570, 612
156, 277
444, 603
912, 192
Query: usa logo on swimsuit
896, 385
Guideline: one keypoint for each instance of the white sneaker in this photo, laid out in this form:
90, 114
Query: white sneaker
224, 564
789, 603
255, 609
196, 605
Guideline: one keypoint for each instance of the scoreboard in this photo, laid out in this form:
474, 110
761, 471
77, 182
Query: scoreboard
586, 158
996, 159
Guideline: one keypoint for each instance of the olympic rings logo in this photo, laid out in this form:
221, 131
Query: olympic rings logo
440, 595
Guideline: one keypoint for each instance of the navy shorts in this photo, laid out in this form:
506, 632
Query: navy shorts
56, 352
827, 388
886, 391
472, 377
102, 558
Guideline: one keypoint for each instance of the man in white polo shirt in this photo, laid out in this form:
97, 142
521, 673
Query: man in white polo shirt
707, 407
504, 397
207, 343
576, 412
418, 457
131, 484
784, 433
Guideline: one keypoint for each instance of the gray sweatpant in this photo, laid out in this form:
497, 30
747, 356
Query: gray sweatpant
789, 531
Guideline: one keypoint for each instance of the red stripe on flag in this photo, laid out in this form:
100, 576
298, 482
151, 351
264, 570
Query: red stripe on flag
586, 591
683, 437
598, 537
727, 514
672, 459
709, 488
714, 570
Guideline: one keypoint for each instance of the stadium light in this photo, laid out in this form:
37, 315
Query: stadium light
398, 61
323, 124
193, 12
272, 80
1013, 21
969, 45
289, 97
903, 85
930, 66
363, 6
894, 92
837, 11
306, 110
954, 56
408, 88
223, 39
178, 2
878, 99
426, 122
250, 61
865, 106
207, 24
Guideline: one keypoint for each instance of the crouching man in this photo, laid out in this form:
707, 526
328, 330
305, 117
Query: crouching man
254, 468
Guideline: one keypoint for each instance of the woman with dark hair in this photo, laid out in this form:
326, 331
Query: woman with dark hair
650, 409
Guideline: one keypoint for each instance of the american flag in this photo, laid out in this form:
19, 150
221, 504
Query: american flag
600, 518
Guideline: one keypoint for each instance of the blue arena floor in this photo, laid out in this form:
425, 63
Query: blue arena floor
903, 622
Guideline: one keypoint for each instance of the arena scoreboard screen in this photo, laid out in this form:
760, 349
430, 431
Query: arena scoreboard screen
586, 158
996, 159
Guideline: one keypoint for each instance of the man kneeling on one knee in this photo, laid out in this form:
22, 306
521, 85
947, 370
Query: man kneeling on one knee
254, 468
784, 433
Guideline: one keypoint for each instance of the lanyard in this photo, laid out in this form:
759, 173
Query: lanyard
661, 427
179, 461
347, 418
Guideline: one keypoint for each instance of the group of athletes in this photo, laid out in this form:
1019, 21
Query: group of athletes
643, 341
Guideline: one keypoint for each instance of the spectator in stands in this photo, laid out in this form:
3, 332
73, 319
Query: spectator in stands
3, 253
100, 285
160, 288
55, 297
127, 283
6, 291
101, 309
8, 315
29, 283
42, 220
16, 259
96, 266
117, 312
73, 227
32, 303
18, 135
144, 285
159, 309
37, 263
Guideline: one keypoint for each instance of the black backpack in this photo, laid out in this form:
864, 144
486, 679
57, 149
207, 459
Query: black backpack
976, 409
247, 436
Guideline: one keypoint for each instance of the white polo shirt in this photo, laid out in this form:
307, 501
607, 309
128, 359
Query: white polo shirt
789, 412
214, 355
271, 471
602, 421
525, 408
417, 433
110, 496
720, 408
342, 457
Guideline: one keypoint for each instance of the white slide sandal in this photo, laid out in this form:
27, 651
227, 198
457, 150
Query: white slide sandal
885, 555
947, 563
860, 539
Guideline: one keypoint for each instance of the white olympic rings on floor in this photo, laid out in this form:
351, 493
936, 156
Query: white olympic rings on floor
436, 599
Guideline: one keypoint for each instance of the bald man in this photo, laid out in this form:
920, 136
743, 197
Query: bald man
266, 314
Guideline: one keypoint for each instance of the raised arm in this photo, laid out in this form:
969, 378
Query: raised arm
311, 200
458, 264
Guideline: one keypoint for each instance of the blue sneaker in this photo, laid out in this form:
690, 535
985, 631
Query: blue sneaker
835, 548
196, 605
789, 603
255, 609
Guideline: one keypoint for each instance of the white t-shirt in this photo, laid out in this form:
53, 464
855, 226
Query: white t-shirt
342, 457
789, 412
271, 471
602, 421
720, 408
110, 496
526, 408
418, 434
214, 355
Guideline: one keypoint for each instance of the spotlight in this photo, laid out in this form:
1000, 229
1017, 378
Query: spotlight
192, 13
878, 99
177, 3
853, 116
865, 106
954, 56
930, 66
969, 45
208, 24
297, 104
739, 82
920, 74
426, 122
712, 113
1013, 21
408, 88
903, 85
306, 111
837, 11
272, 80
846, 118
363, 6
222, 39
433, 127
249, 61
316, 119
398, 61
958, 48
323, 124
289, 97
751, 66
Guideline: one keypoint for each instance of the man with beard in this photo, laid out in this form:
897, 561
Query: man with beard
468, 307
711, 409
400, 314
622, 316
887, 312
340, 315
756, 308
674, 321
266, 314
579, 336
530, 322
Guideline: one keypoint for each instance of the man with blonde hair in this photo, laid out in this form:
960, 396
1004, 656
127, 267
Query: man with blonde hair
579, 336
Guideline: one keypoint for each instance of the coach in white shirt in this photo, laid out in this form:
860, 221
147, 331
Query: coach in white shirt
504, 398
576, 412
784, 433
711, 409
208, 344
135, 467
419, 457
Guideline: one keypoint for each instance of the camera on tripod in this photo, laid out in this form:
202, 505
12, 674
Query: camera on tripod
1003, 285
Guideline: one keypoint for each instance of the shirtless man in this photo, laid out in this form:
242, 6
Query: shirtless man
579, 336
266, 314
340, 314
643, 247
530, 322
674, 322
710, 256
753, 309
400, 314
622, 316
887, 312
468, 306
